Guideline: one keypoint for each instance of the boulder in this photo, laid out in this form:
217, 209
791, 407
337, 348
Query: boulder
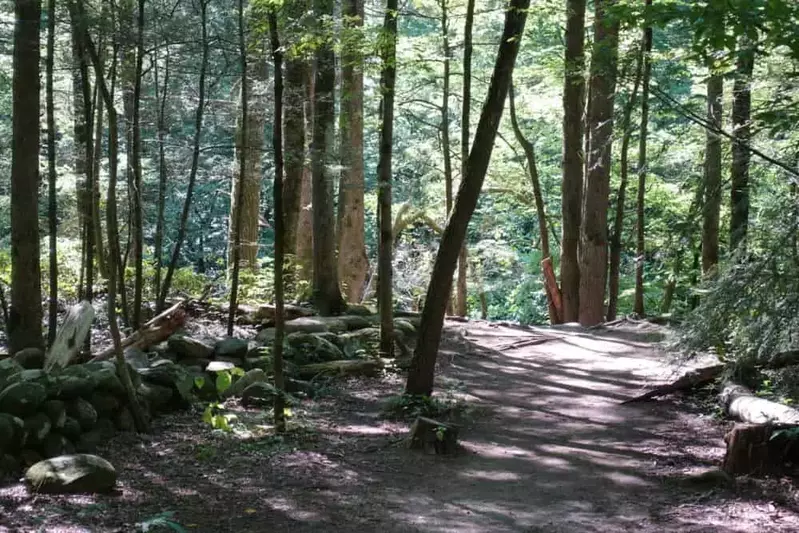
231, 348
104, 403
56, 444
405, 326
8, 367
105, 375
23, 398
189, 348
202, 364
136, 358
220, 366
156, 397
35, 375
56, 411
71, 429
169, 374
124, 421
308, 325
84, 412
237, 387
259, 393
265, 337
9, 465
361, 343
37, 427
355, 322
12, 433
79, 473
266, 312
72, 382
347, 367
359, 310
30, 358
306, 348
263, 362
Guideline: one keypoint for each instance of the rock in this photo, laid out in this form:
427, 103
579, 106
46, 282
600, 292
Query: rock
347, 367
70, 336
359, 310
9, 465
56, 410
258, 393
220, 366
237, 387
89, 442
9, 367
56, 444
708, 479
71, 429
105, 375
266, 336
405, 326
202, 364
168, 374
30, 358
307, 325
136, 358
23, 398
157, 397
237, 363
73, 381
79, 473
361, 343
355, 322
124, 421
433, 436
84, 412
305, 348
266, 312
231, 348
12, 433
104, 403
264, 362
35, 375
298, 385
106, 427
189, 348
30, 457
37, 427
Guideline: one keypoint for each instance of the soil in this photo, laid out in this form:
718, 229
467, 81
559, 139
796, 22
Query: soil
546, 447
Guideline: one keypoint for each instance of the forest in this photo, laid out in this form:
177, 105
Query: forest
314, 245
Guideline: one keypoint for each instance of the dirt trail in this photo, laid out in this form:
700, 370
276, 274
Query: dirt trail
551, 450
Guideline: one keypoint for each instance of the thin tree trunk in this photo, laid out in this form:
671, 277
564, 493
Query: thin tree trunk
593, 228
532, 169
277, 146
97, 150
640, 248
573, 157
385, 257
741, 116
445, 145
25, 316
422, 372
304, 247
618, 224
137, 229
52, 210
162, 170
712, 175
353, 264
195, 160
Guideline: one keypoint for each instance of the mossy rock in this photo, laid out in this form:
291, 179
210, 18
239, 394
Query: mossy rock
405, 326
136, 358
30, 358
359, 310
37, 427
84, 412
105, 375
156, 397
189, 348
72, 382
104, 403
56, 410
307, 348
237, 387
8, 367
204, 384
265, 337
355, 322
314, 325
361, 343
23, 398
231, 348
72, 474
258, 394
166, 373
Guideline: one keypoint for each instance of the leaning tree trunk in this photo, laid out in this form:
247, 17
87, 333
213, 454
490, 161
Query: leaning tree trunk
593, 227
422, 371
353, 264
712, 175
742, 131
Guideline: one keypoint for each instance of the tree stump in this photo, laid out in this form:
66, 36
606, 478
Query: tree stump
432, 436
71, 336
761, 449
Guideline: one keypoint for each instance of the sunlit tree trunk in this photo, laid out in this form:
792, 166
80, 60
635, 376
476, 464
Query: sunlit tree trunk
304, 230
162, 131
742, 130
712, 175
52, 209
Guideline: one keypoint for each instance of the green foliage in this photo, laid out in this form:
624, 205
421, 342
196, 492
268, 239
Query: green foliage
215, 417
408, 407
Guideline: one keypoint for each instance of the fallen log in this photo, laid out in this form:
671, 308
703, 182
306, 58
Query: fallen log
742, 404
156, 330
347, 367
691, 379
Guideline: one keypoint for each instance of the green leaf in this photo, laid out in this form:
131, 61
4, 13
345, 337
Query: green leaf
223, 381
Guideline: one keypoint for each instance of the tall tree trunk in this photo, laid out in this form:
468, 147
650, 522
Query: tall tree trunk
52, 209
445, 145
618, 223
386, 246
244, 142
573, 157
97, 151
532, 169
305, 221
640, 243
135, 157
353, 264
25, 316
712, 175
326, 293
158, 248
593, 227
741, 116
279, 406
422, 372
195, 160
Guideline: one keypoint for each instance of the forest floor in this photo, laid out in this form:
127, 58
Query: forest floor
547, 448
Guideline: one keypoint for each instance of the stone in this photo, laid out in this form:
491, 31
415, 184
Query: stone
70, 336
23, 398
71, 429
124, 421
9, 465
185, 347
56, 410
361, 343
30, 358
258, 393
237, 387
84, 412
266, 312
359, 310
104, 403
405, 326
136, 358
79, 473
56, 444
12, 433
105, 375
355, 322
168, 374
37, 427
72, 382
264, 362
231, 348
347, 367
30, 457
8, 367
307, 348
220, 366
265, 337
202, 364
157, 397
307, 325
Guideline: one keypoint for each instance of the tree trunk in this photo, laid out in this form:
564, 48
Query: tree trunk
573, 157
618, 224
640, 243
158, 248
353, 264
25, 317
593, 228
444, 127
422, 371
135, 157
52, 209
326, 293
742, 404
386, 245
279, 406
97, 151
712, 175
760, 449
742, 131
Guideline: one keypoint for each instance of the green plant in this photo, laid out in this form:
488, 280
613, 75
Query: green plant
217, 419
409, 406
160, 521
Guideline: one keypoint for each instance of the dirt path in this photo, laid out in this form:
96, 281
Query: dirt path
551, 450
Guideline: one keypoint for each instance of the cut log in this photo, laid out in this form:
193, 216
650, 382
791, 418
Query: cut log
347, 367
159, 329
761, 449
432, 436
553, 291
71, 336
742, 404
691, 379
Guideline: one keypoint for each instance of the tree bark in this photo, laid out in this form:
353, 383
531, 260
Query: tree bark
135, 156
712, 175
158, 247
52, 209
444, 127
326, 292
573, 157
640, 243
422, 371
353, 264
25, 316
593, 227
742, 131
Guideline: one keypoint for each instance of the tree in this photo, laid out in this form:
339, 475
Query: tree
422, 371
134, 157
573, 157
712, 174
593, 227
52, 201
158, 246
742, 131
25, 316
353, 264
445, 144
326, 293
